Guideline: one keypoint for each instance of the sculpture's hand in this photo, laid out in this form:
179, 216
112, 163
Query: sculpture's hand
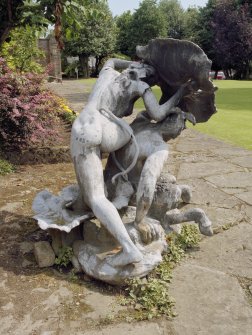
141, 87
189, 87
190, 117
149, 231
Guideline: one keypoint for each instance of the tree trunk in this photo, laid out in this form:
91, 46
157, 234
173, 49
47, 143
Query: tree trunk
98, 60
5, 34
8, 23
227, 73
246, 71
84, 65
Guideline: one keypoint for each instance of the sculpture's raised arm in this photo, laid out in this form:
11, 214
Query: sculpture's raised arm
159, 112
136, 81
117, 64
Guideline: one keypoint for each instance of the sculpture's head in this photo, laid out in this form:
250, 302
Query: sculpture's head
137, 71
141, 71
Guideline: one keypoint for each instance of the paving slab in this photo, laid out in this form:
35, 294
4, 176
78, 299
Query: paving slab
191, 141
245, 161
205, 193
227, 151
142, 328
234, 179
245, 196
199, 169
233, 190
209, 302
230, 252
248, 210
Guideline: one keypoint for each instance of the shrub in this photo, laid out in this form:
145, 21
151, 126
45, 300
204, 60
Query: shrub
21, 52
28, 112
5, 167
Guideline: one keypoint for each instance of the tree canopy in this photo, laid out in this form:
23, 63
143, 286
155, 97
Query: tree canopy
22, 52
93, 33
152, 19
222, 27
173, 15
144, 24
232, 37
36, 13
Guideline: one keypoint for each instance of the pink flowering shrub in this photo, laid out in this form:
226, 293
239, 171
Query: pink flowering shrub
28, 112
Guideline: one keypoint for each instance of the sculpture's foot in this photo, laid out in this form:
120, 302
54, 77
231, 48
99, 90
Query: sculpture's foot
207, 231
197, 215
205, 225
123, 258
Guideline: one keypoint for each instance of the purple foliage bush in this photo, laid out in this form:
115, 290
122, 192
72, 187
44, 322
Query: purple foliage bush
28, 112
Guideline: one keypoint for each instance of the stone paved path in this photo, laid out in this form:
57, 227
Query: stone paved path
212, 287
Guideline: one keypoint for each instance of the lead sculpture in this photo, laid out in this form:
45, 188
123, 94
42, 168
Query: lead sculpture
116, 219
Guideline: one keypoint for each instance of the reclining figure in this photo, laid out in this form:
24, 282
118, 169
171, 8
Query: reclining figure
154, 195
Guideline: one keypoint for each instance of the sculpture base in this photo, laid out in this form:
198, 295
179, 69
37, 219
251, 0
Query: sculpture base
95, 249
98, 246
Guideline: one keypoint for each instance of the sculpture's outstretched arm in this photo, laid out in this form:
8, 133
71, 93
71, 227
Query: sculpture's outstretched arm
159, 112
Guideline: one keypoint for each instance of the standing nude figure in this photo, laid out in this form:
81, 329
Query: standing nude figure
97, 129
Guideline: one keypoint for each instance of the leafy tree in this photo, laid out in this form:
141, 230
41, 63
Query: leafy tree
243, 2
17, 13
173, 14
191, 18
92, 33
22, 52
123, 23
205, 37
10, 16
40, 13
147, 23
232, 37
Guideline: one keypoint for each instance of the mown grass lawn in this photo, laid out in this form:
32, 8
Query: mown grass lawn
233, 122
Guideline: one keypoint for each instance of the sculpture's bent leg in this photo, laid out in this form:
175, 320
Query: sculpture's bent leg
195, 214
90, 176
145, 193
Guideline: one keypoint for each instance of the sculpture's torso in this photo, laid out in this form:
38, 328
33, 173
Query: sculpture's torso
92, 128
